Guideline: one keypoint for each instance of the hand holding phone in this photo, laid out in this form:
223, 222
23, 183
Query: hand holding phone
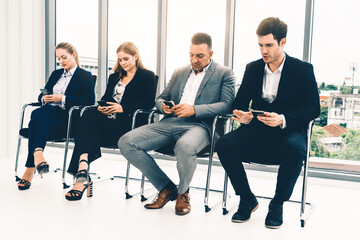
44, 91
258, 113
169, 104
103, 103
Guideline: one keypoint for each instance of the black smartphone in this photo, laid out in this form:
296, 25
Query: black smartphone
168, 103
257, 113
103, 103
44, 91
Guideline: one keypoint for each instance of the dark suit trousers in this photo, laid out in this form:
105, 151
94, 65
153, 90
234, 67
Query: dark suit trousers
45, 122
96, 130
267, 146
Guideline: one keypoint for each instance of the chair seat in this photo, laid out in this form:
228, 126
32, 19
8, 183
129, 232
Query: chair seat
54, 137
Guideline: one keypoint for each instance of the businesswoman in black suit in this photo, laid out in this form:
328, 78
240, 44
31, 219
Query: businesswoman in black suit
129, 88
66, 87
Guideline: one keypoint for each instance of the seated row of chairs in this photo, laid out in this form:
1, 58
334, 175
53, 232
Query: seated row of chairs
225, 123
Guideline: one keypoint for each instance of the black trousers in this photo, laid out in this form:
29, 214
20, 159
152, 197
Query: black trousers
45, 122
267, 146
95, 130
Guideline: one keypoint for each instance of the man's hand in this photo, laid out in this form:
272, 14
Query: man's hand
52, 98
113, 108
184, 110
271, 119
167, 110
242, 117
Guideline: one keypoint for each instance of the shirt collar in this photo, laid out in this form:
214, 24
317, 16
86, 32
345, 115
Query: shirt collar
205, 69
279, 70
70, 72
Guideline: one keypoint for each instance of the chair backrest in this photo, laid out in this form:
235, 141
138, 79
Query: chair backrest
94, 77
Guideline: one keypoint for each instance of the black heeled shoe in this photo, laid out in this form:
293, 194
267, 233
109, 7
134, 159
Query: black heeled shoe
26, 184
82, 175
42, 167
76, 195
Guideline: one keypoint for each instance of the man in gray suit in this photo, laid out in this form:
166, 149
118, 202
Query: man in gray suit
194, 95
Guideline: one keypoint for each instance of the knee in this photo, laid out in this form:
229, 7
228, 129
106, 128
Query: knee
222, 145
185, 150
295, 148
126, 144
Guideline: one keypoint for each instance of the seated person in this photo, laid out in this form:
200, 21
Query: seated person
194, 95
66, 87
129, 88
285, 89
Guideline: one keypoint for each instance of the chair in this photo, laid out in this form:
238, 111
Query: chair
23, 132
303, 216
207, 152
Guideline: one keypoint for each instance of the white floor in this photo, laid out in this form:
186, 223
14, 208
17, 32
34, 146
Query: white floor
43, 213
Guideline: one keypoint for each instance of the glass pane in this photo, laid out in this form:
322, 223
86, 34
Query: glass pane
336, 60
249, 14
77, 23
134, 21
187, 17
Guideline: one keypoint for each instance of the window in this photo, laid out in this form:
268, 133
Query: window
133, 21
81, 30
187, 17
335, 42
249, 14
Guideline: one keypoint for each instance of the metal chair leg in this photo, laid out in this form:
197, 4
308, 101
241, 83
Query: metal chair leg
17, 159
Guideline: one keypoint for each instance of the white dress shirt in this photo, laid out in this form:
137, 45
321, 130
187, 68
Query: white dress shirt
61, 85
271, 85
192, 86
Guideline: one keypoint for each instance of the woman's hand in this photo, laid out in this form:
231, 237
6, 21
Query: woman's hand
52, 98
112, 108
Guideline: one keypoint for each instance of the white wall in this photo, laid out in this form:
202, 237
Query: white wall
22, 60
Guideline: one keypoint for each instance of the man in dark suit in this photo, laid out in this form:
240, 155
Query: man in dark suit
285, 89
194, 95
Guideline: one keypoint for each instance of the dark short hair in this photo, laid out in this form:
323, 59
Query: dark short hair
274, 26
200, 38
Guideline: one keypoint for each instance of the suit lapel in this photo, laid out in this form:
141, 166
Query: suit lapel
206, 78
182, 84
283, 79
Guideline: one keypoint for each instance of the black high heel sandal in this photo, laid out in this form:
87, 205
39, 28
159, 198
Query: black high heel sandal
42, 167
76, 195
26, 184
82, 175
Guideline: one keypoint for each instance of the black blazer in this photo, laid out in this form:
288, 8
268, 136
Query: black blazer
80, 90
297, 97
139, 93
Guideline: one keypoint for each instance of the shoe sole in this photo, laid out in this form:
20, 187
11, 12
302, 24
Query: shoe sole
161, 206
182, 214
272, 227
242, 221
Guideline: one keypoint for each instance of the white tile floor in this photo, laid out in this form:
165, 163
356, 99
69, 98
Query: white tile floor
43, 213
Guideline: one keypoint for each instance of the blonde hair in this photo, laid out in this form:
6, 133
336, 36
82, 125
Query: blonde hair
70, 49
129, 48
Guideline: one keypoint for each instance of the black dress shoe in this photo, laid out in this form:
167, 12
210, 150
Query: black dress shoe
246, 207
274, 217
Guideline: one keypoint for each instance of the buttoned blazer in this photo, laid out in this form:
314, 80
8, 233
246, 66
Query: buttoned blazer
215, 95
139, 93
80, 90
297, 98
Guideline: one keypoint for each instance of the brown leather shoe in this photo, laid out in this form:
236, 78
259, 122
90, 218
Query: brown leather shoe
182, 206
162, 198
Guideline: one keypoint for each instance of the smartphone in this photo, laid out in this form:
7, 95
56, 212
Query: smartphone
103, 103
257, 113
44, 91
168, 103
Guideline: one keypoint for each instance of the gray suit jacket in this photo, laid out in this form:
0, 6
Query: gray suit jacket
215, 95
